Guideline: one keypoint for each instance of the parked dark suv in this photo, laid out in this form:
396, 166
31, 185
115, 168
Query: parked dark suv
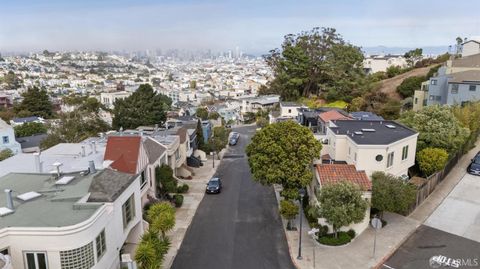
474, 167
214, 185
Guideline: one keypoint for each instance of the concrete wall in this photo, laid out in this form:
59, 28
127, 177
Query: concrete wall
470, 48
55, 239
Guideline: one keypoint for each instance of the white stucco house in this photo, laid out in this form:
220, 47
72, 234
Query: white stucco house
333, 173
70, 220
371, 146
471, 47
7, 138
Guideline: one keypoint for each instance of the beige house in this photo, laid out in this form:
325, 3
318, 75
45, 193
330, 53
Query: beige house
471, 47
372, 145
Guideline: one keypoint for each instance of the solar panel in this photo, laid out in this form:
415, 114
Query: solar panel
28, 196
391, 126
358, 133
368, 130
64, 180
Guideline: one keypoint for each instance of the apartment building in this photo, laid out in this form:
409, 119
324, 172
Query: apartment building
108, 98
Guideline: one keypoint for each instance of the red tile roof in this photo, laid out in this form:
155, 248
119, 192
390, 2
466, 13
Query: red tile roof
332, 115
124, 152
333, 173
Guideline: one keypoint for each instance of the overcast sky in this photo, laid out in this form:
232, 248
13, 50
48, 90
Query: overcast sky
254, 26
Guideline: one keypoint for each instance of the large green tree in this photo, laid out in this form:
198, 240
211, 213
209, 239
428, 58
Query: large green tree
437, 127
313, 63
200, 138
35, 103
341, 204
144, 107
282, 153
391, 193
74, 127
413, 56
202, 113
219, 138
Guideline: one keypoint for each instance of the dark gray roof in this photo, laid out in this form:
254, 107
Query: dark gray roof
383, 135
154, 150
31, 141
108, 185
365, 115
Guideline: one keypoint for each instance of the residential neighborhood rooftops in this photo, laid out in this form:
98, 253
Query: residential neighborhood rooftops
332, 115
57, 205
333, 173
372, 132
123, 151
465, 77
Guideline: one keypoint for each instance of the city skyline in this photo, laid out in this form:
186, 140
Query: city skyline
254, 27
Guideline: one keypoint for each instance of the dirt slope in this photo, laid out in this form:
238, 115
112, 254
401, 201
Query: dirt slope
389, 86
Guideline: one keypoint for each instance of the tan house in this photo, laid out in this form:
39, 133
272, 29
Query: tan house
372, 145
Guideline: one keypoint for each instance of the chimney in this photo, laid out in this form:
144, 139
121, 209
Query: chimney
91, 167
57, 165
38, 163
94, 146
83, 151
8, 195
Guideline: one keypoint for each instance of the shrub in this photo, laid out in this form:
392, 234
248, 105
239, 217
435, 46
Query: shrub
409, 85
351, 233
330, 240
289, 211
431, 160
182, 188
165, 175
322, 230
178, 200
5, 154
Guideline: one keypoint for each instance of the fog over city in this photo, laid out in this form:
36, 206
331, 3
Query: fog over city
254, 26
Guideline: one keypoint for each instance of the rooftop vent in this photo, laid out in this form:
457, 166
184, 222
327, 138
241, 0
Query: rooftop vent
5, 211
358, 133
64, 180
368, 130
391, 126
28, 196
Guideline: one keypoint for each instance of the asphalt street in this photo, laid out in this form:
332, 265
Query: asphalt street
238, 228
432, 248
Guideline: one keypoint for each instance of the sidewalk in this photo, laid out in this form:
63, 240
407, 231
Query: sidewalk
359, 253
184, 215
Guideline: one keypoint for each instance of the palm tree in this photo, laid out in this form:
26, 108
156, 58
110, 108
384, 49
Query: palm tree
161, 217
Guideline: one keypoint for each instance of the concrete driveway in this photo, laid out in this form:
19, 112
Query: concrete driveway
459, 213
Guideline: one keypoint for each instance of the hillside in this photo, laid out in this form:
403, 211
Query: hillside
389, 86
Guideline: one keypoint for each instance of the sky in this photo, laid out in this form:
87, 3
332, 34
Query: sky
253, 26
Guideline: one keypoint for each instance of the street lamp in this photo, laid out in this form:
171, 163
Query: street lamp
313, 233
302, 194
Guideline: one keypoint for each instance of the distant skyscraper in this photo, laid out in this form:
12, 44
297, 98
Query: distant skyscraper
237, 52
229, 54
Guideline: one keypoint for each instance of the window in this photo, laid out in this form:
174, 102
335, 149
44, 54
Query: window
405, 152
472, 88
433, 81
355, 157
79, 258
349, 151
128, 210
390, 159
143, 180
289, 111
379, 158
101, 245
5, 140
36, 260
454, 88
416, 100
435, 97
